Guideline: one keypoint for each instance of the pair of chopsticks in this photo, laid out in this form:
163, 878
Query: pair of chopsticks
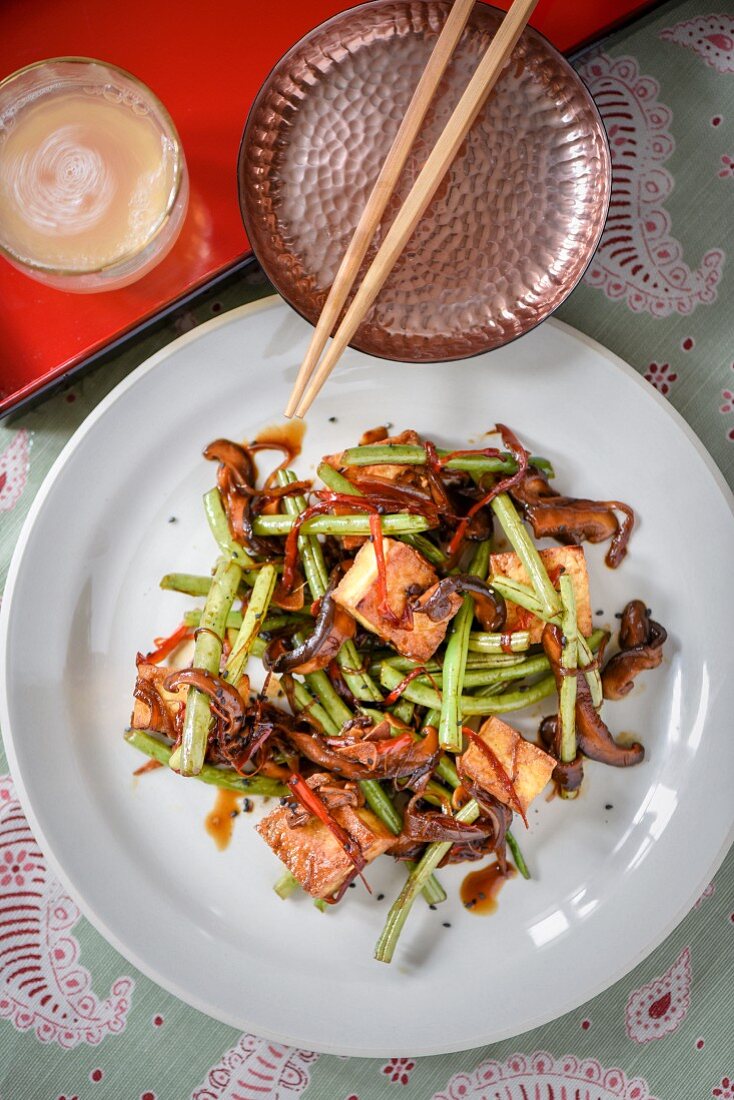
313, 373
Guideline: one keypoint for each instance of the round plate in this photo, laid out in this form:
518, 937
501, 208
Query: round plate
607, 884
512, 226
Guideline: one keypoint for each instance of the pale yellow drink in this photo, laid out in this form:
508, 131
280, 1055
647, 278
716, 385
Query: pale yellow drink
88, 181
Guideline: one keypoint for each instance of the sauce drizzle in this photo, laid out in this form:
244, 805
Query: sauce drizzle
219, 822
480, 888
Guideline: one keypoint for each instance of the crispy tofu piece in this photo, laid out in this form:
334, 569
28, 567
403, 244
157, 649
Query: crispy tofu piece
387, 471
557, 559
408, 574
528, 767
155, 675
312, 853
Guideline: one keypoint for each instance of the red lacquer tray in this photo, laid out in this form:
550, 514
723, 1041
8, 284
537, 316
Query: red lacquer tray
206, 63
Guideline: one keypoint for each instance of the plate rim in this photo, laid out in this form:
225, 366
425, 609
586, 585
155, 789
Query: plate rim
56, 867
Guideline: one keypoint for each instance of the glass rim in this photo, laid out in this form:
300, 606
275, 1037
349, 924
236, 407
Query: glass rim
179, 168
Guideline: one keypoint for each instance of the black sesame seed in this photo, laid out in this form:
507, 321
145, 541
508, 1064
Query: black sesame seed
332, 420
352, 885
446, 924
617, 614
609, 806
431, 906
172, 519
599, 612
380, 897
247, 806
234, 813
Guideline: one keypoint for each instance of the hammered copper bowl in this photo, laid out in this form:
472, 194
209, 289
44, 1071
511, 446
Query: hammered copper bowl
514, 223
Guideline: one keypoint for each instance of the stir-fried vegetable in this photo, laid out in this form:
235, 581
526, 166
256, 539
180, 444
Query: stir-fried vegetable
393, 635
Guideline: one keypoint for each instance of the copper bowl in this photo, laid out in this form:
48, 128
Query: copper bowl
514, 223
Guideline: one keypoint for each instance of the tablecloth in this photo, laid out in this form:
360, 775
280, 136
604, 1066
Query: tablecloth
78, 1023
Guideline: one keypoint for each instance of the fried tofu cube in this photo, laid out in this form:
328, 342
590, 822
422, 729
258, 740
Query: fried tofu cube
557, 560
408, 576
387, 471
527, 766
152, 676
312, 853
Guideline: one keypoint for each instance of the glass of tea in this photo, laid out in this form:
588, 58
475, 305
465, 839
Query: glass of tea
93, 180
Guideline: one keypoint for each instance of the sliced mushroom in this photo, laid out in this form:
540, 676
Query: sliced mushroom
572, 520
642, 640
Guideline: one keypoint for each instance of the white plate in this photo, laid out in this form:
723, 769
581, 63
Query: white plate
82, 597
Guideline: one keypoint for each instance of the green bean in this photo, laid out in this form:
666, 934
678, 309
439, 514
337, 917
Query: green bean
286, 885
335, 481
228, 778
305, 701
252, 623
217, 519
525, 549
425, 867
207, 655
517, 855
480, 642
194, 584
454, 662
593, 677
424, 546
379, 802
473, 661
470, 705
359, 524
271, 622
404, 710
189, 583
521, 594
569, 662
479, 677
359, 682
339, 484
322, 687
402, 454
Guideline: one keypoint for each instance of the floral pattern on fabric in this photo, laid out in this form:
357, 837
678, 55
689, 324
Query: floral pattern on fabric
398, 1070
638, 260
540, 1075
42, 986
710, 36
14, 460
707, 893
660, 1007
256, 1069
661, 377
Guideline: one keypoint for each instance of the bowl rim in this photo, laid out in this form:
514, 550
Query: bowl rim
356, 345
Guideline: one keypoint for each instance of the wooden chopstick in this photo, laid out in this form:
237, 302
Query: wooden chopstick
423, 190
381, 192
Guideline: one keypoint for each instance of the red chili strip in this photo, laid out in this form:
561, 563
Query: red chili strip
393, 744
148, 766
518, 452
486, 452
311, 802
325, 504
504, 779
164, 646
383, 603
398, 691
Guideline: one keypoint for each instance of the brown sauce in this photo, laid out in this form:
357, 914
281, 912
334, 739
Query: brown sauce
288, 435
219, 822
480, 888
